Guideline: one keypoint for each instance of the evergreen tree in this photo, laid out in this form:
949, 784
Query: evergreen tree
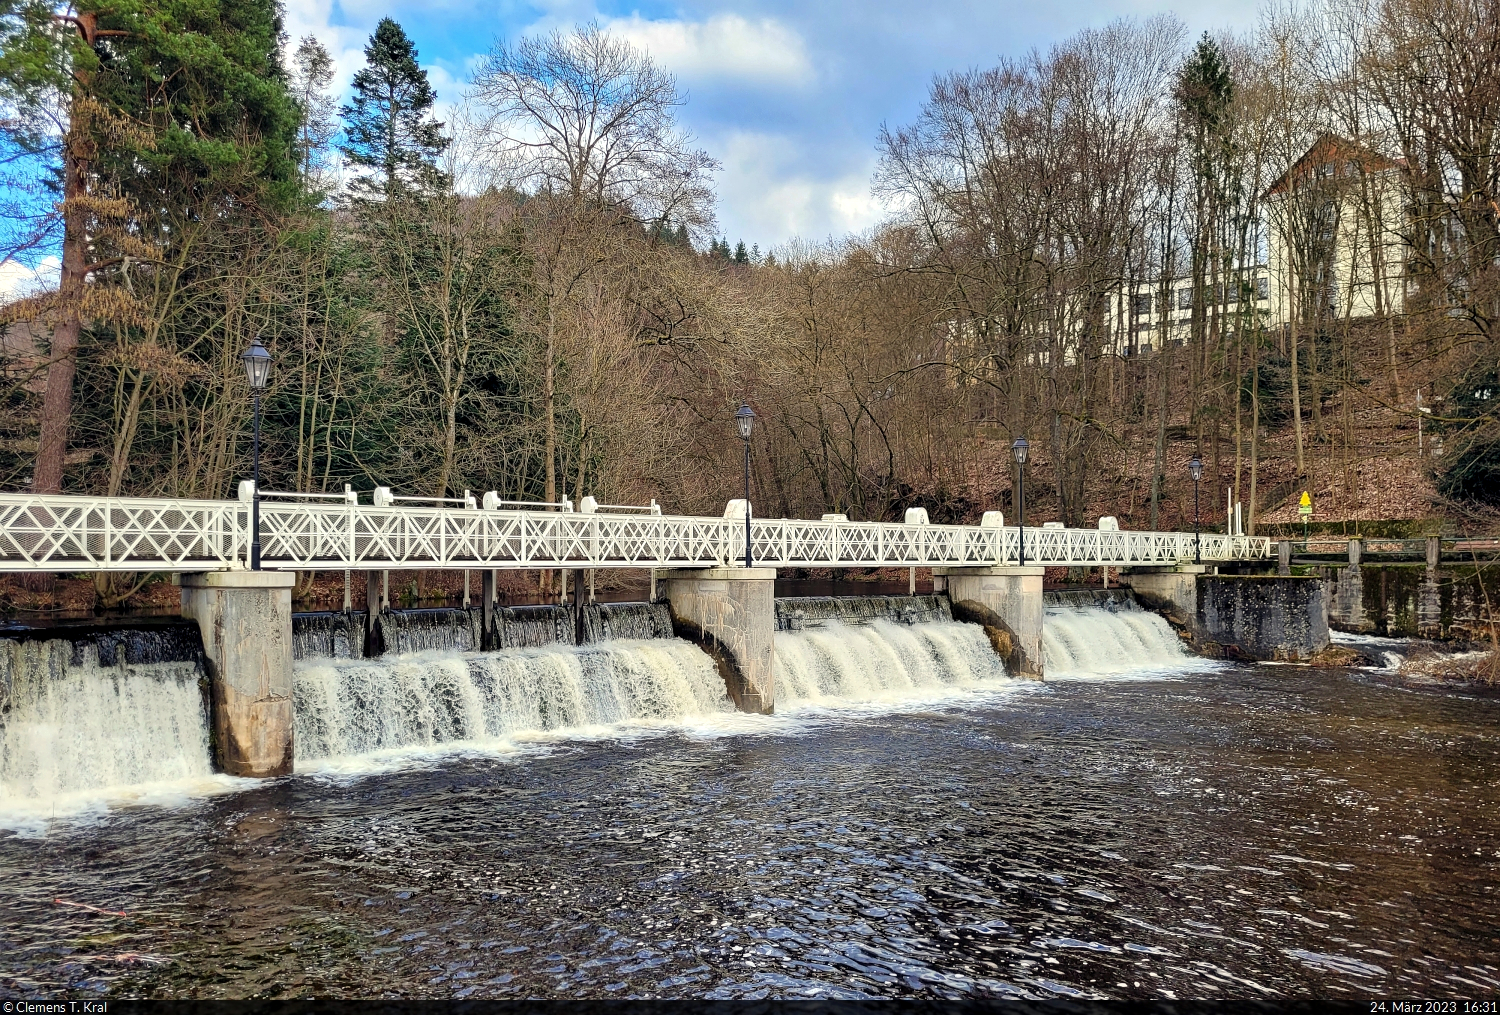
388, 128
177, 111
741, 255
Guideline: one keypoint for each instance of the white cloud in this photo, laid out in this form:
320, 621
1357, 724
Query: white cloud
724, 46
763, 197
17, 280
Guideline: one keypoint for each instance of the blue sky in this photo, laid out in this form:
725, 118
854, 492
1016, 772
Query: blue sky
787, 95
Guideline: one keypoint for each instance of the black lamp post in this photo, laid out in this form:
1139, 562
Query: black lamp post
1020, 447
746, 418
257, 368
1196, 468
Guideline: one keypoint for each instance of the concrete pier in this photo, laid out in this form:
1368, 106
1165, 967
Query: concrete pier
731, 613
245, 618
1169, 590
1007, 602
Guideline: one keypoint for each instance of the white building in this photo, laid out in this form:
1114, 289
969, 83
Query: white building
1336, 246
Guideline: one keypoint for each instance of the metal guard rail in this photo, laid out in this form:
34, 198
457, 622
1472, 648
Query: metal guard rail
72, 533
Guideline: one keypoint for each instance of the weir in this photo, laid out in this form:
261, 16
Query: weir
87, 710
250, 639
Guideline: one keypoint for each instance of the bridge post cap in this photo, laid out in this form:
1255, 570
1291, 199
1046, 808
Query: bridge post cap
992, 520
240, 579
835, 517
383, 496
1053, 525
588, 506
737, 508
917, 516
350, 497
490, 501
1109, 523
247, 491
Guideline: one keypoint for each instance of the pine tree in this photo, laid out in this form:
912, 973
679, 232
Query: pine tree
170, 108
388, 128
741, 255
312, 74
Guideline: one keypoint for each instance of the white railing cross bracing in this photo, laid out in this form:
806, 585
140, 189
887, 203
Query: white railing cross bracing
76, 533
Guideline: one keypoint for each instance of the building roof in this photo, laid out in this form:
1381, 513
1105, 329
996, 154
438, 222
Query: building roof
1337, 152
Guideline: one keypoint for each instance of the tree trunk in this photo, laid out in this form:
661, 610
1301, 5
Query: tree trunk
1296, 384
1158, 461
57, 403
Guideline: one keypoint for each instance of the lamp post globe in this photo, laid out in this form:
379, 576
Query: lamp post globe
257, 363
1019, 447
1196, 468
745, 419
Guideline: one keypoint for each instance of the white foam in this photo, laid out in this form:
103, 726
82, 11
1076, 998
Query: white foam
1091, 642
838, 665
393, 709
80, 738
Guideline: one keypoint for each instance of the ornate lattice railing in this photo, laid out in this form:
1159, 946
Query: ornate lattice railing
69, 533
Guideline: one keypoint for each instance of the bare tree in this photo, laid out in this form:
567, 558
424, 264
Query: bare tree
589, 117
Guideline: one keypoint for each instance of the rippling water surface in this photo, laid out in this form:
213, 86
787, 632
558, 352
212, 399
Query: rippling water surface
1249, 832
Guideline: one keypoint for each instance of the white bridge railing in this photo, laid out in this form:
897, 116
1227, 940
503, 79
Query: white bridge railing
69, 533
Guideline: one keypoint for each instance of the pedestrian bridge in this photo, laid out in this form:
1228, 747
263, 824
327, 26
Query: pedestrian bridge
79, 533
245, 615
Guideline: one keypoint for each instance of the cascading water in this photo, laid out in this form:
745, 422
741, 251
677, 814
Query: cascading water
1101, 634
880, 659
86, 712
353, 707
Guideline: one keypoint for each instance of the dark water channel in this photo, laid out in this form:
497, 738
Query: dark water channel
1256, 832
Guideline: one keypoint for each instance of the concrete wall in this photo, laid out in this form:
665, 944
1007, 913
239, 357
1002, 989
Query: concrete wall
245, 618
1255, 617
1007, 602
1412, 601
729, 612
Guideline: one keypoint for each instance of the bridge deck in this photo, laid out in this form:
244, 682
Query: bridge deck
74, 533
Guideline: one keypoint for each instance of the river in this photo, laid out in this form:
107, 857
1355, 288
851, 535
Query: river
1162, 827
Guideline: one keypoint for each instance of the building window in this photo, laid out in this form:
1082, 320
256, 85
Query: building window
1262, 288
1141, 305
1184, 298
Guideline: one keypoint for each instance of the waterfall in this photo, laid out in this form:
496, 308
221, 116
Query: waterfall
1116, 637
89, 711
798, 613
354, 707
880, 659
